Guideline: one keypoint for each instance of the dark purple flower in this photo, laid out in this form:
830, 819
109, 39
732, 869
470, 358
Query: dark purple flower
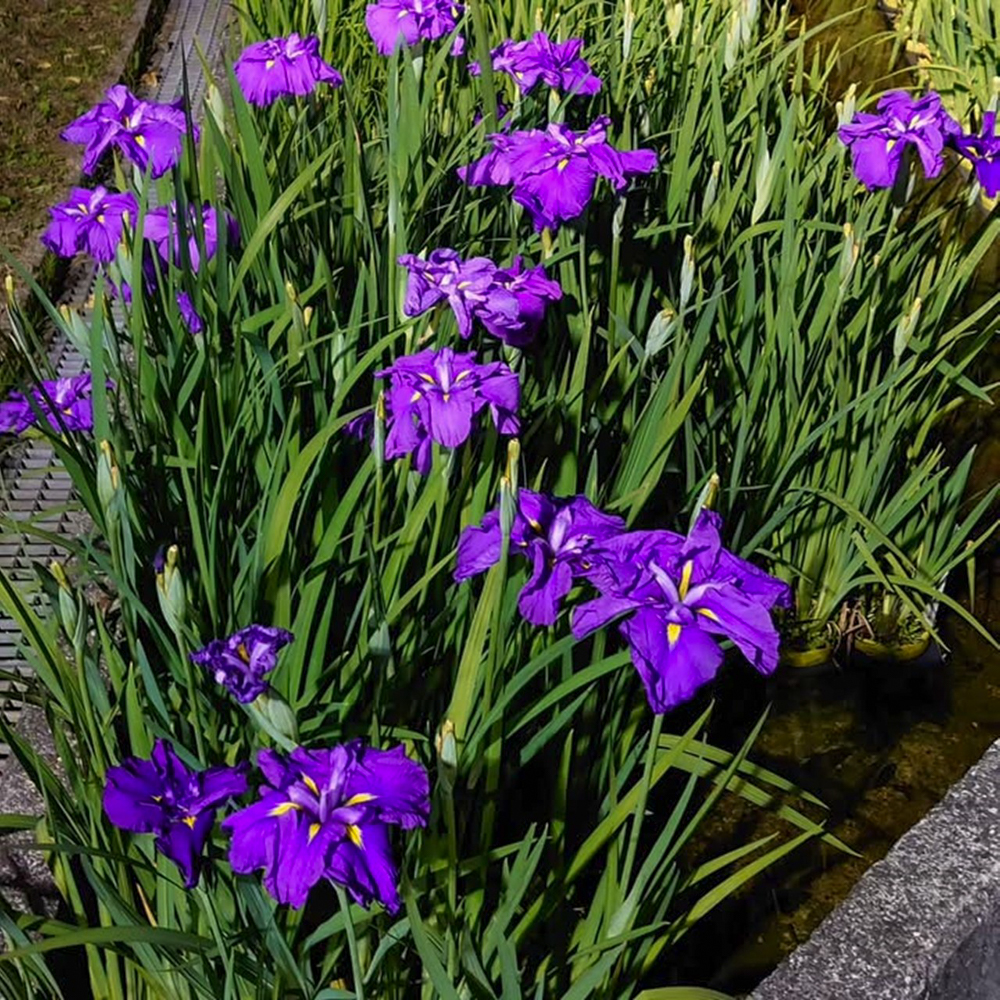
166, 797
325, 814
674, 594
878, 142
560, 535
160, 560
362, 427
91, 221
532, 290
143, 131
161, 228
467, 285
509, 303
189, 314
241, 662
66, 403
433, 396
556, 64
983, 151
410, 21
553, 172
283, 67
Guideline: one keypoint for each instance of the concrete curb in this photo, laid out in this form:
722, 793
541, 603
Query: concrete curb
923, 923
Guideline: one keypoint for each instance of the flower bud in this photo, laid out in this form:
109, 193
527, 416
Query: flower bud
8, 284
447, 751
712, 188
508, 487
69, 605
675, 18
170, 589
905, 329
108, 481
846, 107
378, 431
687, 272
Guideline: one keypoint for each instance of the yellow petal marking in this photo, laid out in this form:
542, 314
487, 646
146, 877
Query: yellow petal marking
673, 633
427, 378
310, 784
708, 613
100, 219
562, 164
354, 834
356, 800
284, 807
140, 141
190, 820
685, 579
416, 396
269, 64
314, 828
241, 652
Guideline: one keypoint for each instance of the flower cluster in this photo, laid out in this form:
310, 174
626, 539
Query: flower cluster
671, 593
283, 67
147, 134
324, 814
553, 171
391, 22
510, 303
241, 662
434, 395
166, 797
540, 60
64, 403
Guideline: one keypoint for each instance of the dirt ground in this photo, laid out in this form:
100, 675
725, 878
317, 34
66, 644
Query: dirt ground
55, 57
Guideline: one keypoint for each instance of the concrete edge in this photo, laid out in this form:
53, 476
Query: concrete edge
923, 923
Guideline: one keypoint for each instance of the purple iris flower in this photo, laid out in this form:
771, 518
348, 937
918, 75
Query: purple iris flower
677, 593
283, 67
410, 21
560, 535
878, 142
166, 797
71, 406
509, 303
241, 662
532, 290
326, 815
161, 228
556, 64
91, 221
554, 171
469, 286
189, 314
983, 151
433, 396
144, 132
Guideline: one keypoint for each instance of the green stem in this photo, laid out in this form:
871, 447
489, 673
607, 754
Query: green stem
640, 809
199, 740
352, 944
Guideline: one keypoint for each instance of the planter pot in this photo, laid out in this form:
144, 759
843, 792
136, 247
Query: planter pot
808, 659
893, 653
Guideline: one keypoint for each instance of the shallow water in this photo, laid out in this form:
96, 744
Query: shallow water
880, 746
